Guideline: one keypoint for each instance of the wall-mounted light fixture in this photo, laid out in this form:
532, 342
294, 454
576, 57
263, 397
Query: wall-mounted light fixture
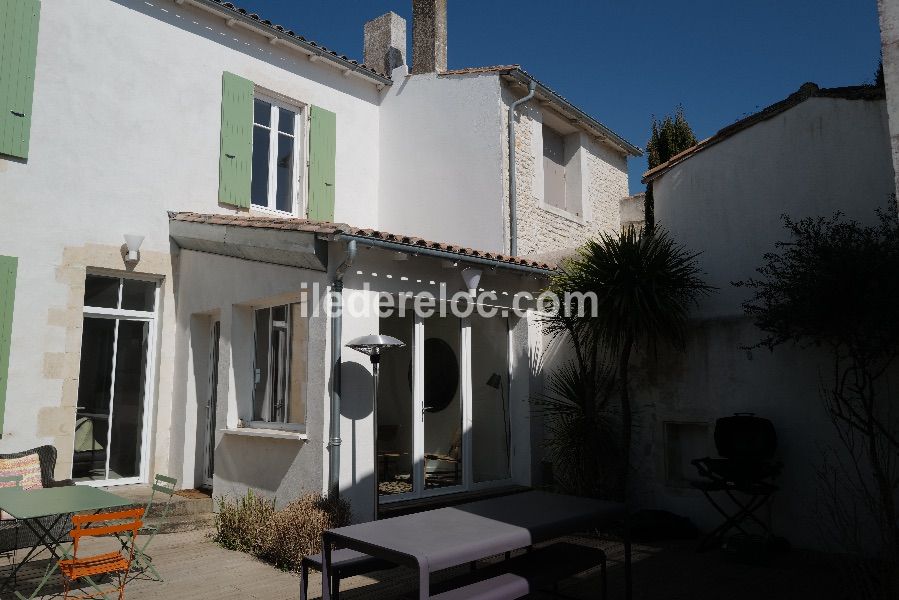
133, 242
472, 278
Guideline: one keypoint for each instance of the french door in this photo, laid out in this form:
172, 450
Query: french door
115, 379
443, 413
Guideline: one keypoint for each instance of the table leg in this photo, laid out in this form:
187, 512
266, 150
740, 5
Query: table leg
40, 542
326, 567
424, 582
628, 581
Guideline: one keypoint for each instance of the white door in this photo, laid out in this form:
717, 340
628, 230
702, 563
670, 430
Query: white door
211, 404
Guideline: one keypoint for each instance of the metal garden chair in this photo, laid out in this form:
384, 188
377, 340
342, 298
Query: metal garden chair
122, 523
9, 526
162, 491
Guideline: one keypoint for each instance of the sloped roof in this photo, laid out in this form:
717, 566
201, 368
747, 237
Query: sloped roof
575, 114
327, 229
230, 10
806, 91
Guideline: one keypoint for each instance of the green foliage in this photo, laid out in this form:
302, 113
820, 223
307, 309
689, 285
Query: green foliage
280, 537
637, 289
669, 137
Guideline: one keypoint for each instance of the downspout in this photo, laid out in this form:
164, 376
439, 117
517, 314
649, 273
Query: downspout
336, 338
513, 191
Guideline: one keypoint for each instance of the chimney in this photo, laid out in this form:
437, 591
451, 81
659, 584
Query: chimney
428, 36
385, 43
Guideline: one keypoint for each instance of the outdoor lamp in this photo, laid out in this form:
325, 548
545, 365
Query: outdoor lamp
472, 278
374, 346
133, 242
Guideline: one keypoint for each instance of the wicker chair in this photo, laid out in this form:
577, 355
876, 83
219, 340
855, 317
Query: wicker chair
9, 540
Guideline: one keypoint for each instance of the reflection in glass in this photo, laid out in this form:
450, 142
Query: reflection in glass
100, 291
395, 406
259, 185
138, 295
262, 112
285, 120
284, 191
94, 388
490, 435
442, 403
126, 430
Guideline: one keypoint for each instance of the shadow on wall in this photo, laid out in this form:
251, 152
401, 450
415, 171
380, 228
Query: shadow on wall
355, 405
257, 464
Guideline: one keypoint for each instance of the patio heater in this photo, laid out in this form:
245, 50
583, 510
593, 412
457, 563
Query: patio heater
373, 346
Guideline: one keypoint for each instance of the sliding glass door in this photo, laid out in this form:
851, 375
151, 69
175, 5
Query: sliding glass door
444, 407
111, 416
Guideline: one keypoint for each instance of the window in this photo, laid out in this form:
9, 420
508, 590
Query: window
561, 185
276, 172
279, 376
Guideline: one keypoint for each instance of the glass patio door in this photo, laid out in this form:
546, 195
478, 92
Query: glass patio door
111, 416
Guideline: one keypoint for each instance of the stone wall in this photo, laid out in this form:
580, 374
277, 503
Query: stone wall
889, 34
542, 229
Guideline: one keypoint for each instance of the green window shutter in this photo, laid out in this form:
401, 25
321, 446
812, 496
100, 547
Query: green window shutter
322, 158
8, 266
18, 57
236, 158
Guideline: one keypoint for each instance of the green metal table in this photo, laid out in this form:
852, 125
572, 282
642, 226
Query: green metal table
34, 506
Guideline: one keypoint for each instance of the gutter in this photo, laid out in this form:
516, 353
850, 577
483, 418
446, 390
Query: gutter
513, 186
444, 254
278, 36
334, 441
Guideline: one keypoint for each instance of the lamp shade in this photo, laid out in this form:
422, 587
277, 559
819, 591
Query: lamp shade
373, 345
133, 242
472, 278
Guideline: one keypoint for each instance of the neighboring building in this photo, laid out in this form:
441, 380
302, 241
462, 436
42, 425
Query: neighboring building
633, 211
889, 35
239, 151
817, 152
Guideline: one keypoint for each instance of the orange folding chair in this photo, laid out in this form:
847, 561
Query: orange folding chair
126, 522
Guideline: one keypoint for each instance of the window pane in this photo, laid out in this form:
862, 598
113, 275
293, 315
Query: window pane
259, 190
490, 398
128, 400
138, 295
101, 291
299, 347
284, 191
262, 112
261, 392
94, 389
279, 356
442, 403
395, 406
285, 120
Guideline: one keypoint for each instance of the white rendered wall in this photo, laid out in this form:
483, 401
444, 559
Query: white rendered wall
125, 127
889, 35
821, 156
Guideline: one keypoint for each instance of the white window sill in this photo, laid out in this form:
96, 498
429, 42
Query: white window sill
562, 213
277, 434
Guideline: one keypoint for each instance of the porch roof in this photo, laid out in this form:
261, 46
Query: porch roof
328, 231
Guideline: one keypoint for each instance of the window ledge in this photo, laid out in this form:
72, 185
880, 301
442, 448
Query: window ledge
277, 434
562, 213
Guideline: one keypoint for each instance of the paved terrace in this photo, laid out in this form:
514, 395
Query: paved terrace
195, 568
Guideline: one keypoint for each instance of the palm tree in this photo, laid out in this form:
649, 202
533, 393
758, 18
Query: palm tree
643, 284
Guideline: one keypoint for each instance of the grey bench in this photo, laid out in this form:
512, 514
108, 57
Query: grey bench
344, 563
517, 577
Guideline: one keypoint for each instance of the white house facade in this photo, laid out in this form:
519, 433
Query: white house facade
815, 153
188, 187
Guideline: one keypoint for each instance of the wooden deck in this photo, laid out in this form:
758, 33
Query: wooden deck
195, 568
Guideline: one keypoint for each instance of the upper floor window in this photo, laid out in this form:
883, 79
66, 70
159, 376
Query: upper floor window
276, 155
560, 183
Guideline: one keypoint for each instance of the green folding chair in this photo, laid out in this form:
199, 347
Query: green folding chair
163, 490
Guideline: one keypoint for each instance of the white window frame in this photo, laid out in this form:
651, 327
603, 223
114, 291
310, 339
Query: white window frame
298, 194
465, 384
152, 320
280, 425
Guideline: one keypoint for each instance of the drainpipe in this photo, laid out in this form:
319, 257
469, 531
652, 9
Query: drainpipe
336, 337
513, 191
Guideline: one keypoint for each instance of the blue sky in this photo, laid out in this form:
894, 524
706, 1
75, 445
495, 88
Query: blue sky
623, 61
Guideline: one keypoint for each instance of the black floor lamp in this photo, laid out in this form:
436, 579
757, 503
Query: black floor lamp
373, 346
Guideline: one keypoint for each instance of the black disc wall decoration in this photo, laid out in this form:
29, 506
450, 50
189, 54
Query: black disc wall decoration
441, 374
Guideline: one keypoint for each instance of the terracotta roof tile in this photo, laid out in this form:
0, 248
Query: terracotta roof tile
806, 91
325, 228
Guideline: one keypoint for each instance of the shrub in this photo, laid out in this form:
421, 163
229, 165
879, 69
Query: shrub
280, 537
